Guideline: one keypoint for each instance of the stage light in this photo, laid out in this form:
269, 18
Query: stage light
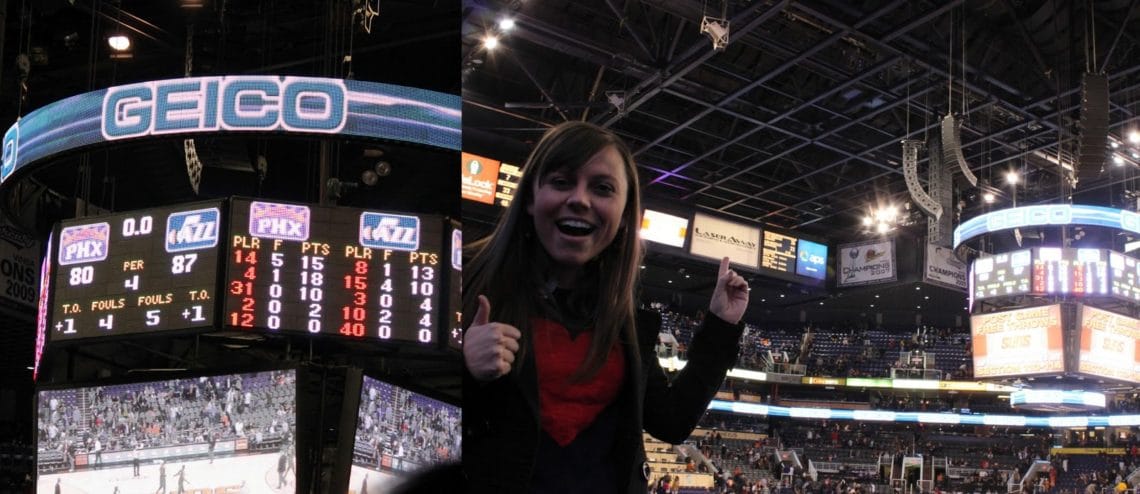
119, 42
490, 42
506, 24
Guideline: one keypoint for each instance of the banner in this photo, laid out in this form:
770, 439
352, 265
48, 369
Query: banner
866, 263
942, 268
716, 238
19, 269
478, 178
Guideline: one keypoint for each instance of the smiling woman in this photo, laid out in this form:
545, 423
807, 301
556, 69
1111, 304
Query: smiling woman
560, 376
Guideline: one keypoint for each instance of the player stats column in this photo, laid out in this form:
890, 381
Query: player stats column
358, 274
141, 272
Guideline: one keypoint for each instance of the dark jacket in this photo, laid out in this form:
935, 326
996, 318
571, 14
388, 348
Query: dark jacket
501, 425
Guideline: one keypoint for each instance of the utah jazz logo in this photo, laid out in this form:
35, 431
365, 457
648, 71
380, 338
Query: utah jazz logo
192, 230
84, 243
389, 231
282, 221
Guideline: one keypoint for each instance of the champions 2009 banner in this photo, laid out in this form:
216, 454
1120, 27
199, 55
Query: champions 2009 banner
866, 263
264, 103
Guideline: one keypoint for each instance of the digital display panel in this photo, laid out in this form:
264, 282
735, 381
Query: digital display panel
778, 252
139, 272
455, 299
664, 228
398, 433
509, 176
1017, 342
1125, 276
811, 259
1002, 274
361, 274
226, 434
478, 178
1110, 345
1070, 271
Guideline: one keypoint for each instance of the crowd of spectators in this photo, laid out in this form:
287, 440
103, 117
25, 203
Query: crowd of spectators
103, 419
841, 351
403, 425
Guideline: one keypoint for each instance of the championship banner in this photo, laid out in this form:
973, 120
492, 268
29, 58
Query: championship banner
19, 268
715, 238
285, 105
1110, 345
866, 263
1018, 342
943, 268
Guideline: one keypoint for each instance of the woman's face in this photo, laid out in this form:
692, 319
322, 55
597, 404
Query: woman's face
578, 213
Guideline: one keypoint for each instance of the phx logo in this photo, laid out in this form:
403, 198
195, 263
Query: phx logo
192, 230
84, 243
280, 221
389, 231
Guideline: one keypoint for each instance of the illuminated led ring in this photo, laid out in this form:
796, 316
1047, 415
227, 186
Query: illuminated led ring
272, 104
1046, 215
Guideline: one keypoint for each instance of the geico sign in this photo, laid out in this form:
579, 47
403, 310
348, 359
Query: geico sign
255, 103
1031, 215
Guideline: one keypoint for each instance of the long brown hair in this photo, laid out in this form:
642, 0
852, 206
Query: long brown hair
510, 266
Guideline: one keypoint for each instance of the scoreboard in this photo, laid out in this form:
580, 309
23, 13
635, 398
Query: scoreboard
140, 272
370, 275
1125, 276
1002, 274
1070, 271
778, 252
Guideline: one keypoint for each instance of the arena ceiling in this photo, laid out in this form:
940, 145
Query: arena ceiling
796, 123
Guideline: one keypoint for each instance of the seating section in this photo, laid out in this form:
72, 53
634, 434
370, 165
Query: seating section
663, 461
398, 424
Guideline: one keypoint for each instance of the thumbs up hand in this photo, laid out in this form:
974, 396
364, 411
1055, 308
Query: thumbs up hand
730, 297
489, 347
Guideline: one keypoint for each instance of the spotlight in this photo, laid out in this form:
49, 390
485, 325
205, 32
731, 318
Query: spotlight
1012, 178
369, 178
1119, 161
383, 168
490, 42
883, 227
988, 197
119, 42
867, 221
1134, 137
1115, 144
506, 24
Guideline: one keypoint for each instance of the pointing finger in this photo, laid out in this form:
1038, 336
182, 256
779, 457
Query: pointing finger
723, 267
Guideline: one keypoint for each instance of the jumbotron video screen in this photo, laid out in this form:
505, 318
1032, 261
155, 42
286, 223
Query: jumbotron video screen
399, 433
218, 434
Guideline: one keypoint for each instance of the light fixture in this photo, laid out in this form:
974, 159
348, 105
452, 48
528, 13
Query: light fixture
1012, 178
490, 42
1118, 160
717, 31
1114, 144
1134, 137
883, 228
506, 24
383, 168
119, 42
988, 197
192, 4
867, 221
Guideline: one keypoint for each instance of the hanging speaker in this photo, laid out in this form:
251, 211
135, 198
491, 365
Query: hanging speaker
1093, 139
952, 148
